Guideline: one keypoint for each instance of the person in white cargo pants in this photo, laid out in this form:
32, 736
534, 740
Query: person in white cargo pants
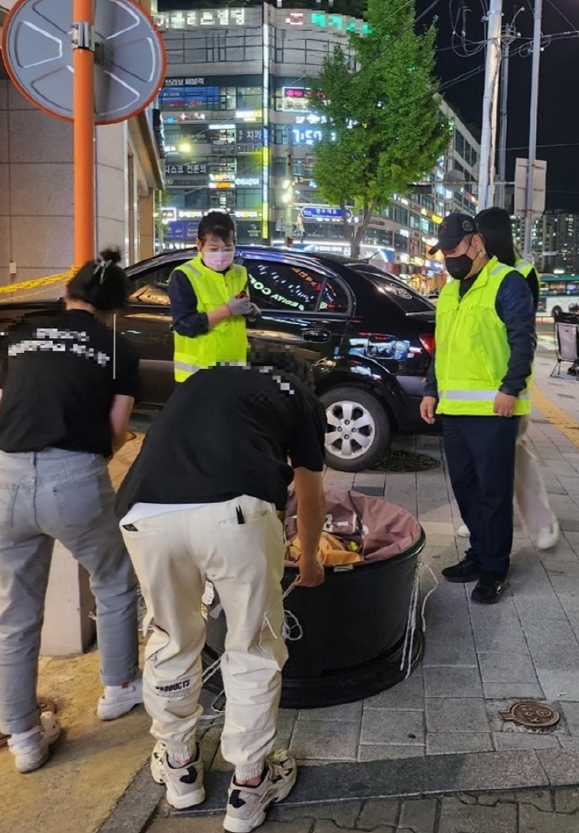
202, 502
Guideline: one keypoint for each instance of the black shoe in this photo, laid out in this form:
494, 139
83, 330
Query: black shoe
465, 571
488, 590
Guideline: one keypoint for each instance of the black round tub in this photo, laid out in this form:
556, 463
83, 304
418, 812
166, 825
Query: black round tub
352, 628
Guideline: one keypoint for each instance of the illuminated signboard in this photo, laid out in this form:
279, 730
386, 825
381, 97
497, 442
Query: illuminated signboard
190, 98
199, 19
181, 230
295, 98
247, 181
321, 212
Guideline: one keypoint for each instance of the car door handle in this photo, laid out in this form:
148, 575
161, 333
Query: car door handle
316, 335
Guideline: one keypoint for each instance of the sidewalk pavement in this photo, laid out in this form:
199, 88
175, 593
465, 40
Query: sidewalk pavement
435, 733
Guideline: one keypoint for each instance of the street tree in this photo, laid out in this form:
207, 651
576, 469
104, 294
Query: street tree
382, 127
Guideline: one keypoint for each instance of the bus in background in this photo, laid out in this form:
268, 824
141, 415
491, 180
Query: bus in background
557, 294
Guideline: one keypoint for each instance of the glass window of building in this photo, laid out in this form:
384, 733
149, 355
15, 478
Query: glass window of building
249, 198
249, 98
281, 286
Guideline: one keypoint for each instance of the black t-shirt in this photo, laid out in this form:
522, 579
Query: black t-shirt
226, 432
59, 376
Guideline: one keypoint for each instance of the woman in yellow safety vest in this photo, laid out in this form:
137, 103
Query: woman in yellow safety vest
210, 301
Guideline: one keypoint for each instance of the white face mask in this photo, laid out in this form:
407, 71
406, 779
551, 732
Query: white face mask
218, 261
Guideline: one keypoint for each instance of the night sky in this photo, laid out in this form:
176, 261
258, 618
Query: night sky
558, 133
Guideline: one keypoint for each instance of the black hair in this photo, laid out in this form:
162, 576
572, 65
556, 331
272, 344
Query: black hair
101, 283
217, 223
494, 224
283, 358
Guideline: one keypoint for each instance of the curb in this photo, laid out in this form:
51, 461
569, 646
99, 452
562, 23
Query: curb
398, 778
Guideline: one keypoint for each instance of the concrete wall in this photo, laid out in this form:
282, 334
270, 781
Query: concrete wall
36, 191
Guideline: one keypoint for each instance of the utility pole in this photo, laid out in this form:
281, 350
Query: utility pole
490, 105
509, 35
538, 14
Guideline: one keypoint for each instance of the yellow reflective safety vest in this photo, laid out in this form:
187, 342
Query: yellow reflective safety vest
227, 342
472, 350
523, 267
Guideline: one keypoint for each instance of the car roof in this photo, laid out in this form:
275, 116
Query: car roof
326, 259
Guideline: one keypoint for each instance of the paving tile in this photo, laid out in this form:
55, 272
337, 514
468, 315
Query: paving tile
348, 712
509, 638
452, 682
392, 726
454, 714
418, 815
448, 743
513, 691
388, 751
561, 766
378, 812
505, 741
531, 819
325, 740
506, 667
457, 817
343, 813
409, 694
567, 800
571, 713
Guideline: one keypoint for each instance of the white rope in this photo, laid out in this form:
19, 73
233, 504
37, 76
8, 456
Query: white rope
292, 631
406, 661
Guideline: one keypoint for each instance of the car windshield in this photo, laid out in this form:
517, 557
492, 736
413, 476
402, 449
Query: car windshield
402, 295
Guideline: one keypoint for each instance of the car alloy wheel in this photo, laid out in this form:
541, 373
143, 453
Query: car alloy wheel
351, 429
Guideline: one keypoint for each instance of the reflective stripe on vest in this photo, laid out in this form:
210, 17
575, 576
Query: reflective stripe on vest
478, 395
227, 342
523, 267
472, 349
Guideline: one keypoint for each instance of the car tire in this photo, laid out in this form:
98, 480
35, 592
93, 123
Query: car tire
373, 424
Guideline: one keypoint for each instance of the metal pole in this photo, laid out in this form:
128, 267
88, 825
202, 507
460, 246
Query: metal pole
502, 163
490, 106
84, 151
533, 129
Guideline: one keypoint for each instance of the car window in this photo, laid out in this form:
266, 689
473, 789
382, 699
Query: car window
334, 298
150, 294
283, 286
402, 295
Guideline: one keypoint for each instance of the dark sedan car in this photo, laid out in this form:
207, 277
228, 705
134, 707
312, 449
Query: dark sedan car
368, 335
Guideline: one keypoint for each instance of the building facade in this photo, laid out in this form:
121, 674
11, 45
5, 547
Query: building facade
239, 137
36, 185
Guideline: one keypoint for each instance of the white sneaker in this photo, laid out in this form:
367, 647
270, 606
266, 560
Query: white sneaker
117, 700
31, 748
463, 531
184, 786
247, 806
548, 537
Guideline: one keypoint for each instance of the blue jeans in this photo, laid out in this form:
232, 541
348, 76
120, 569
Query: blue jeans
67, 496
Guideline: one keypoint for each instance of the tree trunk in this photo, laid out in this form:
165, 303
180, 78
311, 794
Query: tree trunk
346, 225
360, 231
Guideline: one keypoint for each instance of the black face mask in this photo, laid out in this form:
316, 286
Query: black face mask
459, 267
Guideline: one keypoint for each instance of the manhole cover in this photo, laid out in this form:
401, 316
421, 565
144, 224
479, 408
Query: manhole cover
44, 706
407, 461
532, 715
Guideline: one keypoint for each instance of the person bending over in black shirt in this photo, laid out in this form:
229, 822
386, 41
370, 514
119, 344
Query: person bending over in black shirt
67, 389
202, 501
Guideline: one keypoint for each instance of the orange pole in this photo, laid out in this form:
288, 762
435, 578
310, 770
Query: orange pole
84, 125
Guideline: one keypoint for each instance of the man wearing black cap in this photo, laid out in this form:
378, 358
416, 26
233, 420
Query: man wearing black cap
479, 382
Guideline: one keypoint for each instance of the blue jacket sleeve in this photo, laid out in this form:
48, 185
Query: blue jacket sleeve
515, 307
186, 320
431, 385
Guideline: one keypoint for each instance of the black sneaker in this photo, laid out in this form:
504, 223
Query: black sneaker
488, 590
465, 571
